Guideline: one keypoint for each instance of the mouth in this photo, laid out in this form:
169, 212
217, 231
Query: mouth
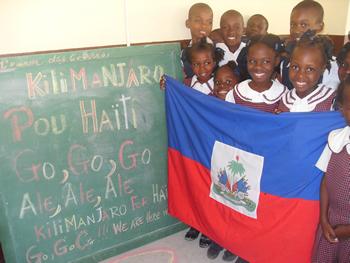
231, 38
301, 84
259, 75
203, 33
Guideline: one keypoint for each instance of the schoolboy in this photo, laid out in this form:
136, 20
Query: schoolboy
232, 29
256, 25
199, 22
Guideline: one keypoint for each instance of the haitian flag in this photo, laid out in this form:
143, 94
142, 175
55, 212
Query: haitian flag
246, 178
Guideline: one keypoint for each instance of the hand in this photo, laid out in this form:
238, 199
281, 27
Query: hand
162, 83
342, 231
328, 232
277, 111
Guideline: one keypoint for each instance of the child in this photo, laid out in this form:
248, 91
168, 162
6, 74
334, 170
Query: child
231, 28
332, 243
199, 22
203, 60
257, 25
309, 60
262, 91
343, 60
307, 16
225, 79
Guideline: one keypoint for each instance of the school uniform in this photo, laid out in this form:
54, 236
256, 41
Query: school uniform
334, 161
206, 87
228, 55
321, 99
329, 78
186, 65
267, 100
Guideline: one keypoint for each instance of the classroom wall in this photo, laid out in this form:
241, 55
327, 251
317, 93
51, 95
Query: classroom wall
39, 25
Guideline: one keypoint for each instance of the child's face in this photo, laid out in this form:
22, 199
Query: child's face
224, 81
345, 106
303, 19
232, 27
200, 23
261, 63
344, 68
306, 67
256, 25
202, 64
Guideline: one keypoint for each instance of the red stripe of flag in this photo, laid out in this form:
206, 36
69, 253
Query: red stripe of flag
283, 231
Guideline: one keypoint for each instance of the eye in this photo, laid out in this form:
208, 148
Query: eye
207, 63
292, 25
294, 67
251, 61
310, 70
304, 25
228, 82
195, 64
217, 83
266, 61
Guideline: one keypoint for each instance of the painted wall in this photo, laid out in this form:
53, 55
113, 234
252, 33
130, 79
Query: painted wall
38, 25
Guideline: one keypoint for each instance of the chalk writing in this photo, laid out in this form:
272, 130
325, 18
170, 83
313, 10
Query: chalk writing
83, 152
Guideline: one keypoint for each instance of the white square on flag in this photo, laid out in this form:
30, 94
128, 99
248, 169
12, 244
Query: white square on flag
235, 178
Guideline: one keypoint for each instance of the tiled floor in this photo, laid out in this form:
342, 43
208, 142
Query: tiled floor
172, 249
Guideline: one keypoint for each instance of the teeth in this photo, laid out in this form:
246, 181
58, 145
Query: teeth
202, 32
231, 38
259, 74
300, 83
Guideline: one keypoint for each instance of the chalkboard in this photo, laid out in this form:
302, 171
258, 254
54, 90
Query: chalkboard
83, 153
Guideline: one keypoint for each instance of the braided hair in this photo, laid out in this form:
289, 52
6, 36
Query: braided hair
342, 53
270, 40
216, 53
310, 40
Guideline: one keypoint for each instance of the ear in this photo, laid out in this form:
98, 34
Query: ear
187, 23
320, 27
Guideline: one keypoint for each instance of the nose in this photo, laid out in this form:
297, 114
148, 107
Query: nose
300, 75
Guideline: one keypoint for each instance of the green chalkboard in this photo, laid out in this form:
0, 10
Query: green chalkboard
83, 153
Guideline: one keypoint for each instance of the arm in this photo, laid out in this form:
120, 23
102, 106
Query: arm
342, 231
327, 229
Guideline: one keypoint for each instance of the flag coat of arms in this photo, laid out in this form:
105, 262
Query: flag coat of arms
246, 178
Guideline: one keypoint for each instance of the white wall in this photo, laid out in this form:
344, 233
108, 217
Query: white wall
38, 25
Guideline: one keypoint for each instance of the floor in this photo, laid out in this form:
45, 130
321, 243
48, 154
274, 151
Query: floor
171, 249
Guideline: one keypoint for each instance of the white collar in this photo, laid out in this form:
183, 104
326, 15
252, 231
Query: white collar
338, 139
228, 55
206, 87
308, 103
270, 96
